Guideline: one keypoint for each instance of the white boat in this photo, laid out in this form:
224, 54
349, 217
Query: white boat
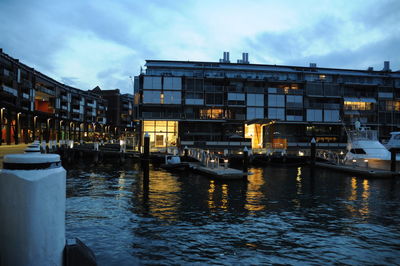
394, 141
363, 146
173, 162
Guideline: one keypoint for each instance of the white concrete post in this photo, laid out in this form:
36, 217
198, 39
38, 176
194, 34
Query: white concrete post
44, 145
32, 210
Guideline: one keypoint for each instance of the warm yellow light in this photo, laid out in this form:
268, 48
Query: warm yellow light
354, 160
366, 161
301, 153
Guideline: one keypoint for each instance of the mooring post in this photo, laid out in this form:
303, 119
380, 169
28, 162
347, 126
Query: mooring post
245, 160
313, 151
32, 216
146, 151
186, 152
393, 153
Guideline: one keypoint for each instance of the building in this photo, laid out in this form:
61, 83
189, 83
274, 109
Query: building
35, 106
120, 110
221, 104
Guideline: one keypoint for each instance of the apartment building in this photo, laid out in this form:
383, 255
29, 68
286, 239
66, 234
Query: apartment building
120, 110
34, 106
223, 104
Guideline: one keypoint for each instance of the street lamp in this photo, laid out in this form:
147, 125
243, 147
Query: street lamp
1, 123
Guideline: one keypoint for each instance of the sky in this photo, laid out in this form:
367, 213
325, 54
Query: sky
89, 43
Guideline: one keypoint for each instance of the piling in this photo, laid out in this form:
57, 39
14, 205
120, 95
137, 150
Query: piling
393, 153
146, 151
32, 216
245, 160
313, 151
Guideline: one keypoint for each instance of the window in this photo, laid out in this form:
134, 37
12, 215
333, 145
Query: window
276, 100
272, 90
172, 83
314, 115
331, 115
294, 100
236, 97
172, 97
152, 83
276, 113
254, 112
151, 96
255, 99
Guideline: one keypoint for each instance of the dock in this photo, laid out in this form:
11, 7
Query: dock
218, 173
359, 171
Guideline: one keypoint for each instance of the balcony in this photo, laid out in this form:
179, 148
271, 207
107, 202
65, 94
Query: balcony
9, 90
45, 90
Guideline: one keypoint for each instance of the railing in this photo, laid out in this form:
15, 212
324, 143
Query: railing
9, 90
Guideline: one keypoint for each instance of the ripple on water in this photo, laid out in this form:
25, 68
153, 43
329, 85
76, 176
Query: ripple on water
278, 217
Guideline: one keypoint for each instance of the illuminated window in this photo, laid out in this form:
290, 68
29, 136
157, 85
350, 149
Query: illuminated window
363, 106
211, 114
322, 77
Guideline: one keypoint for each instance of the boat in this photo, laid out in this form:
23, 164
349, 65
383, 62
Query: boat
173, 163
394, 141
363, 146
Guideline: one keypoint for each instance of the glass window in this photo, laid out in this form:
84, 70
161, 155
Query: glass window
314, 115
172, 83
151, 96
276, 113
255, 99
172, 97
152, 83
331, 115
276, 100
254, 112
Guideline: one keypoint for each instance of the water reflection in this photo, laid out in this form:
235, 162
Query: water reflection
280, 216
254, 195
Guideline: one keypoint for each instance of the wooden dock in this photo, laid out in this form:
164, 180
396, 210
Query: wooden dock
359, 171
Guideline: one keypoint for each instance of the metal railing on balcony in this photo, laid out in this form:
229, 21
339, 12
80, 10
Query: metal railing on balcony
9, 90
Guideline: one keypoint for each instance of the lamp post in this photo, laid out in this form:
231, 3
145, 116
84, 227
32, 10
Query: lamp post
34, 127
17, 126
1, 124
48, 130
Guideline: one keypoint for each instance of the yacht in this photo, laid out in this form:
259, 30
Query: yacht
394, 141
363, 146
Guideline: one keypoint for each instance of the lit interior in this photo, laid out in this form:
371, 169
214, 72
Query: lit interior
254, 131
357, 106
212, 113
162, 133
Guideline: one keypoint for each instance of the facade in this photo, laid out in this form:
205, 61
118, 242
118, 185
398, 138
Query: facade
35, 106
221, 104
120, 110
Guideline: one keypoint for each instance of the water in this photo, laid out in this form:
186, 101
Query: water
281, 216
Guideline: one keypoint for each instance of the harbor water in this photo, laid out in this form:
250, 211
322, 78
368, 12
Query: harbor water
282, 215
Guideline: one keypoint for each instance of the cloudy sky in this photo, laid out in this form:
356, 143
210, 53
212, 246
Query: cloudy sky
85, 43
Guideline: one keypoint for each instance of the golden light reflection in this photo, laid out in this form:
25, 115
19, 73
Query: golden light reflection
365, 196
353, 195
298, 181
254, 193
211, 190
163, 199
224, 201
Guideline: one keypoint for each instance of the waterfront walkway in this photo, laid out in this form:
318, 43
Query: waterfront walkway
10, 149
